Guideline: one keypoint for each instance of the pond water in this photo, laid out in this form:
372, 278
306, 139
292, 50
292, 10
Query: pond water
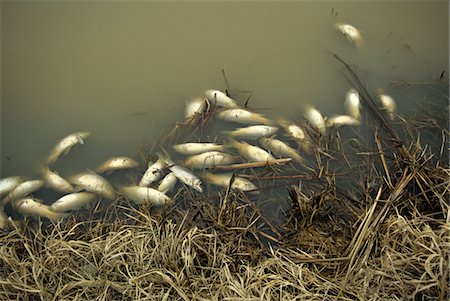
123, 70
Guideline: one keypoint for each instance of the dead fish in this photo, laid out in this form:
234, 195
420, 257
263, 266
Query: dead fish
24, 189
193, 148
35, 207
183, 174
251, 152
253, 132
167, 183
93, 182
224, 179
55, 181
141, 195
209, 159
72, 201
221, 99
280, 148
388, 103
298, 134
315, 118
117, 163
65, 144
352, 34
194, 108
9, 183
341, 120
352, 104
243, 116
153, 173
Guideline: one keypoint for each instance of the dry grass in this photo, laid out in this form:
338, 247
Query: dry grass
369, 220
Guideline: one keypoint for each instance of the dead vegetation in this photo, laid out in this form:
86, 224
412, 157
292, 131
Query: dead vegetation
369, 220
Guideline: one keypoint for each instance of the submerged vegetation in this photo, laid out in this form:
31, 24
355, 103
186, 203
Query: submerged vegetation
368, 219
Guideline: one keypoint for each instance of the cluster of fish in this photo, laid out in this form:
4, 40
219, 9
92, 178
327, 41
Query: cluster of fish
256, 142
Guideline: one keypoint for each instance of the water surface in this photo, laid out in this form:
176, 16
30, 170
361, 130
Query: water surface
123, 70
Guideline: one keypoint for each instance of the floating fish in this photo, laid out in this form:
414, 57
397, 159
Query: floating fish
183, 174
55, 181
194, 108
73, 201
298, 134
251, 152
224, 181
209, 159
65, 144
192, 148
221, 99
351, 33
35, 207
388, 104
141, 195
117, 163
8, 184
315, 118
153, 173
243, 116
253, 132
280, 148
352, 104
24, 189
341, 120
92, 182
167, 183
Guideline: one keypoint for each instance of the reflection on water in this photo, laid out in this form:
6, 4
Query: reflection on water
124, 70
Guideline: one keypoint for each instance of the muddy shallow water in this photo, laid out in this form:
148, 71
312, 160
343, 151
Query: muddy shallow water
124, 70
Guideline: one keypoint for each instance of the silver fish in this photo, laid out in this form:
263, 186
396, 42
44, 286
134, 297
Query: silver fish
141, 195
388, 104
24, 189
251, 152
72, 201
167, 183
9, 183
352, 104
65, 144
221, 99
351, 33
92, 182
224, 179
117, 163
35, 207
183, 174
315, 118
253, 132
194, 108
193, 148
243, 116
280, 148
209, 159
153, 173
341, 120
55, 181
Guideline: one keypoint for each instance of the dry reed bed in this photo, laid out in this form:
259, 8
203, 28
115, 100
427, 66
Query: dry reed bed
370, 221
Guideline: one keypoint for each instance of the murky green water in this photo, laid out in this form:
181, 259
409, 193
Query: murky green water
123, 70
